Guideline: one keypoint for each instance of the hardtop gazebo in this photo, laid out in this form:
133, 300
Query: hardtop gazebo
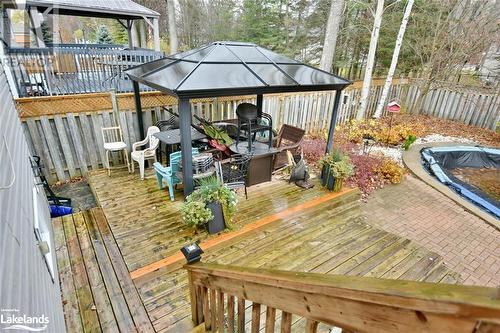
125, 11
229, 69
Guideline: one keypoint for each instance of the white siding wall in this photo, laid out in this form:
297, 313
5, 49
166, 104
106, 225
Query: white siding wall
25, 281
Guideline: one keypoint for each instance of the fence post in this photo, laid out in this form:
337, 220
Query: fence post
114, 103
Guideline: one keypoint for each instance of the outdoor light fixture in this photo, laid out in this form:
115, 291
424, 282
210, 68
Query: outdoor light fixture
368, 142
192, 253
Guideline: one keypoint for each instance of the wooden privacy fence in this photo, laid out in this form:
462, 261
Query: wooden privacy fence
220, 296
65, 130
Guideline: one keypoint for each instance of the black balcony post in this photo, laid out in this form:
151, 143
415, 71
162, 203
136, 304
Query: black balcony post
333, 120
138, 107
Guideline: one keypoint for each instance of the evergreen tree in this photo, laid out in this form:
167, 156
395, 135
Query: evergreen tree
46, 33
103, 35
119, 34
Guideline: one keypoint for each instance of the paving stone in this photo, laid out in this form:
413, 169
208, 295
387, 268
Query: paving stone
417, 211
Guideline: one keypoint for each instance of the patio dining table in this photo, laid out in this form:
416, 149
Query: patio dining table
172, 137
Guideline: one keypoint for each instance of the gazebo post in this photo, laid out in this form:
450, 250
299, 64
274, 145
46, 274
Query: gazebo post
333, 120
186, 147
138, 107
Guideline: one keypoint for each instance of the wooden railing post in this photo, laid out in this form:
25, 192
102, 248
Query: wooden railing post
194, 300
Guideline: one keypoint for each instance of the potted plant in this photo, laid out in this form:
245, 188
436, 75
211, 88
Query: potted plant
212, 205
335, 168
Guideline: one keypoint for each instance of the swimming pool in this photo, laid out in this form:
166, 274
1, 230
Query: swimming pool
471, 171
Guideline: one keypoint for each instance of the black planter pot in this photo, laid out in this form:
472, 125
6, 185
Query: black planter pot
325, 171
327, 179
330, 184
217, 224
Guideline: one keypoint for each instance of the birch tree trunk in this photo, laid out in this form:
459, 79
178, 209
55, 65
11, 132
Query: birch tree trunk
394, 61
143, 34
370, 61
172, 29
332, 31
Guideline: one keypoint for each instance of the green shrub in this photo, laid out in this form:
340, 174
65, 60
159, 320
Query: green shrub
339, 164
210, 190
409, 141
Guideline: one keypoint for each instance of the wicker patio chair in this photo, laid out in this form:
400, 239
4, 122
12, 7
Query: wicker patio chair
289, 139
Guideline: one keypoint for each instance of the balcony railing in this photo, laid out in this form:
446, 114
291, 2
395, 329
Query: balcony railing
73, 69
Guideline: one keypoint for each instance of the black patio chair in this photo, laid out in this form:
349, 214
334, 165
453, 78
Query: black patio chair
170, 123
164, 125
251, 121
233, 172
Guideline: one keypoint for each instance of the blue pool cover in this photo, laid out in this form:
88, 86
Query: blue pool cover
440, 160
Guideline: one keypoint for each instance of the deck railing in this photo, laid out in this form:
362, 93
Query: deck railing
221, 294
70, 69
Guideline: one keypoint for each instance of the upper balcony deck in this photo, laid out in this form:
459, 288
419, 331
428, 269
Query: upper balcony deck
66, 69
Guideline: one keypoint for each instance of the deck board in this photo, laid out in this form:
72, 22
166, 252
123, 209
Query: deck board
69, 298
96, 282
83, 290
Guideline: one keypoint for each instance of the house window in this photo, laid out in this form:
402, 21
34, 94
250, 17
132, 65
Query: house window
42, 230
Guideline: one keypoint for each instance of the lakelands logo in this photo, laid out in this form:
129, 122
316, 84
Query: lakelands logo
11, 319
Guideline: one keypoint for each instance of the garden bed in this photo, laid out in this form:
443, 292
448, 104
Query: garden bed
378, 161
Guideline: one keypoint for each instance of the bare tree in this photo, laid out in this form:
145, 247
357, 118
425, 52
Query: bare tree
394, 61
172, 29
462, 30
370, 61
332, 31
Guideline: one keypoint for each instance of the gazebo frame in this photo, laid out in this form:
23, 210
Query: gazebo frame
184, 96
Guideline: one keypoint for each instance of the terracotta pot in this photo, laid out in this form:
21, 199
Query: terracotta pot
216, 224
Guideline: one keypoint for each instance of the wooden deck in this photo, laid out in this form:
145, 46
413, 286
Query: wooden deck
304, 230
148, 226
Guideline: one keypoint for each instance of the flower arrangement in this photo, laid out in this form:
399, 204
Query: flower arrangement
336, 167
195, 211
339, 164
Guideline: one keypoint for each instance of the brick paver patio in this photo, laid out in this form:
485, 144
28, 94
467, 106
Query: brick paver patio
415, 210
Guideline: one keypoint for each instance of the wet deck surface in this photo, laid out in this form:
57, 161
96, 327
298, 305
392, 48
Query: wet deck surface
138, 226
148, 226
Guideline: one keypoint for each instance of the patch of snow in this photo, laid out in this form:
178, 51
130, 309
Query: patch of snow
394, 153
442, 138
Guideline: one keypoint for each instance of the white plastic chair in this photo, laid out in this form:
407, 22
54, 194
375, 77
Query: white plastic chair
112, 138
140, 156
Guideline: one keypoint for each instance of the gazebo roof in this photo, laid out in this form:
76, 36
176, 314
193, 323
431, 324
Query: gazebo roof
125, 9
232, 68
